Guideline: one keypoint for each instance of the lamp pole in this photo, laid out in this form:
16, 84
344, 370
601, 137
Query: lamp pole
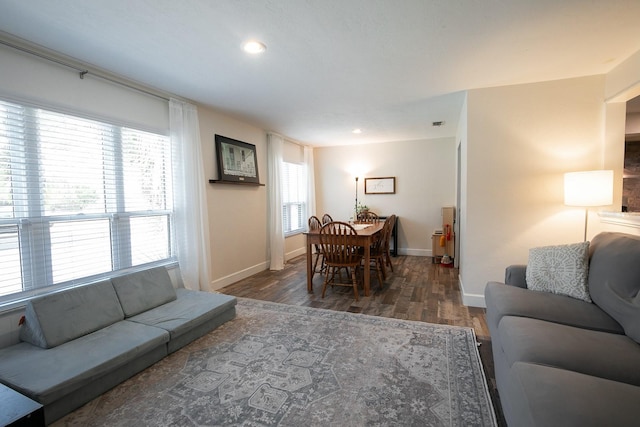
356, 210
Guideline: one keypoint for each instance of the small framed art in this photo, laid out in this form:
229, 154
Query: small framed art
386, 185
237, 161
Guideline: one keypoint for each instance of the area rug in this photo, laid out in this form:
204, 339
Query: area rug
283, 365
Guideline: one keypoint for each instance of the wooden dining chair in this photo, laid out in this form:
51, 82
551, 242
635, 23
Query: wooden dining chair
391, 219
376, 257
315, 224
337, 240
378, 252
326, 218
367, 217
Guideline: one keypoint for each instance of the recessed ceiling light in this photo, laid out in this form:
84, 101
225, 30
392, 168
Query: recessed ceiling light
357, 131
254, 47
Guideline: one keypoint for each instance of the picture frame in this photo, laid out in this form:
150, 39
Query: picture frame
384, 185
237, 160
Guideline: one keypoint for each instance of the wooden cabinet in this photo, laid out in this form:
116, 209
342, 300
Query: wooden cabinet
443, 240
438, 250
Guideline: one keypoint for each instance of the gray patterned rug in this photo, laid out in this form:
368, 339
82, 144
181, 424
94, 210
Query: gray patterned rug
282, 365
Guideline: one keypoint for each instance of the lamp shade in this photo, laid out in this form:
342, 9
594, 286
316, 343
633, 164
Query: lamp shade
589, 188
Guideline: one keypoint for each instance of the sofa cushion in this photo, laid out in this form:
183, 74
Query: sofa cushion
601, 354
189, 310
144, 290
504, 300
561, 269
54, 319
47, 375
546, 396
614, 278
516, 275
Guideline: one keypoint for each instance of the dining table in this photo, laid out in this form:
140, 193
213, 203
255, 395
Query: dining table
366, 235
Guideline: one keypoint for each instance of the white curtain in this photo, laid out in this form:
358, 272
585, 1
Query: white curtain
191, 220
311, 183
276, 234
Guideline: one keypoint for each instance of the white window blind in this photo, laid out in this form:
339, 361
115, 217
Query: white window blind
294, 197
79, 199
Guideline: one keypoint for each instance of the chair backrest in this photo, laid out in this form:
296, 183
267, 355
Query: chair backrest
336, 239
314, 223
382, 244
367, 217
389, 223
326, 218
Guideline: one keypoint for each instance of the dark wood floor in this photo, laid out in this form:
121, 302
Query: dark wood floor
417, 290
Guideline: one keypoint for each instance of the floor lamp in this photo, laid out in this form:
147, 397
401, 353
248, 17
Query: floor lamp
356, 212
588, 189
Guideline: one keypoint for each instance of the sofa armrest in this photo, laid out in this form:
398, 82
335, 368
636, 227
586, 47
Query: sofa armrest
515, 275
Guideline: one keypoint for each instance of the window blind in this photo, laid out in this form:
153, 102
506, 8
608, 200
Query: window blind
294, 197
79, 199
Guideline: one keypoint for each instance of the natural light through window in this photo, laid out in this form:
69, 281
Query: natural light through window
294, 198
79, 199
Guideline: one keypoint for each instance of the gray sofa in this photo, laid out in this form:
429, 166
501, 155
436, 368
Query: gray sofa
561, 361
79, 343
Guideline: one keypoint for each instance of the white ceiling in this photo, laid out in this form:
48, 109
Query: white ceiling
390, 67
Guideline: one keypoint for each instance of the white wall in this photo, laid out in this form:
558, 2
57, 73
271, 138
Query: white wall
425, 181
237, 213
516, 143
623, 82
633, 123
520, 141
28, 78
462, 145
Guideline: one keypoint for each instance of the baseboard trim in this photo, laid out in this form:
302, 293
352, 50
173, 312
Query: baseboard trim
470, 300
242, 274
414, 252
250, 271
294, 254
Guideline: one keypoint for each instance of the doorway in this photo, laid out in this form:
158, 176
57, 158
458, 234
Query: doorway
631, 175
456, 224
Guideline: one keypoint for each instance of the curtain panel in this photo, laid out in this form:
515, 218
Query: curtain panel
191, 229
275, 145
311, 183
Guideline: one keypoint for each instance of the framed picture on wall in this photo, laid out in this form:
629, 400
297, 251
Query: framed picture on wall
386, 185
237, 161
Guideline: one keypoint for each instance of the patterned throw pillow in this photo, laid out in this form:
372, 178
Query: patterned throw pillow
561, 269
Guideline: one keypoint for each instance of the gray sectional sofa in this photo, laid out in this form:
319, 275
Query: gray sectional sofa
561, 361
79, 343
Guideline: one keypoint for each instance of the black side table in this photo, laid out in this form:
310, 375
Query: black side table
19, 410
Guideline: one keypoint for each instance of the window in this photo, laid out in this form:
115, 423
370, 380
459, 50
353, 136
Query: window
294, 198
79, 199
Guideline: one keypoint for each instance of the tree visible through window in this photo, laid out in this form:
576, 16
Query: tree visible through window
79, 198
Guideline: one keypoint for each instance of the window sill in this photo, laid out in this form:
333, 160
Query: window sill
18, 301
293, 233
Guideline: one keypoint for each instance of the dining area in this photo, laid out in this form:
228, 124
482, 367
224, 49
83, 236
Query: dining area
347, 253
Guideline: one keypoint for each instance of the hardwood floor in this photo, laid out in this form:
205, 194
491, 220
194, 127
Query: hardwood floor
416, 290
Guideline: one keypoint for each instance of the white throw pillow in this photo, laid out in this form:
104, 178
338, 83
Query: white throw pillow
561, 269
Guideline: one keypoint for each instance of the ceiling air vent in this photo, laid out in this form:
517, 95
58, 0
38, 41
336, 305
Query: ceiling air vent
436, 124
